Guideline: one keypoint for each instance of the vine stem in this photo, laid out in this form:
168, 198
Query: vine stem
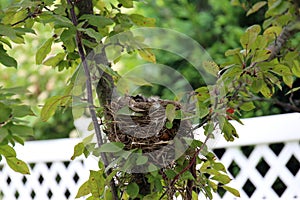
90, 95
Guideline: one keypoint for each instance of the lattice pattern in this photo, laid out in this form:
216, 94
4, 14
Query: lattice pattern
52, 180
266, 170
263, 171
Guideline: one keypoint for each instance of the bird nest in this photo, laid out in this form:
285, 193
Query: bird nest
140, 122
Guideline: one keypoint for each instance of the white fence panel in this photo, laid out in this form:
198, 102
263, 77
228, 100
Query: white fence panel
264, 164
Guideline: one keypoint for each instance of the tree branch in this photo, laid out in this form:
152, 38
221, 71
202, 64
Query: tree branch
90, 93
286, 33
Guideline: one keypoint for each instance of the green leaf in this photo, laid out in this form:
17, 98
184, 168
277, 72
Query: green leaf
288, 80
111, 147
18, 139
211, 67
281, 70
78, 150
256, 7
7, 151
249, 37
147, 55
5, 113
68, 38
140, 20
232, 190
22, 111
92, 33
54, 60
141, 160
126, 3
51, 105
3, 134
291, 91
256, 85
88, 139
137, 81
231, 52
132, 190
266, 91
8, 31
219, 166
110, 176
187, 176
169, 125
222, 178
21, 130
83, 190
43, 51
229, 131
261, 55
96, 20
296, 69
170, 112
247, 106
7, 60
96, 183
17, 165
107, 194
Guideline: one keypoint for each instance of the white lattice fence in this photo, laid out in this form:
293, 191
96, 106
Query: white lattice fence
264, 164
53, 175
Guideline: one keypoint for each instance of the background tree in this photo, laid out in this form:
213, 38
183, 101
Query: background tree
265, 64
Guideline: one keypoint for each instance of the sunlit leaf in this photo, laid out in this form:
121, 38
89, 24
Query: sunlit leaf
96, 183
296, 69
232, 190
211, 67
147, 55
78, 150
261, 55
249, 37
140, 20
126, 3
256, 7
247, 106
43, 51
83, 190
88, 139
54, 60
7, 151
222, 178
288, 80
293, 90
51, 105
170, 112
17, 165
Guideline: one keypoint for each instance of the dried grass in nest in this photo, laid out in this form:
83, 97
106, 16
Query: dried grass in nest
140, 122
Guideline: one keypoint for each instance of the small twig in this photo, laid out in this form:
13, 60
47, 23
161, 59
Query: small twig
90, 94
193, 160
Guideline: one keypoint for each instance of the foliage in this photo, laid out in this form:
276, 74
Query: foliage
13, 128
262, 64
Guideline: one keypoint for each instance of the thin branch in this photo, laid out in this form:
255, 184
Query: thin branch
187, 167
90, 94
